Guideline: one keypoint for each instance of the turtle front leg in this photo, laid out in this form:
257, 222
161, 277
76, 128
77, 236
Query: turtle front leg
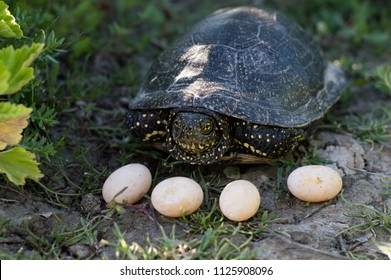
148, 125
266, 141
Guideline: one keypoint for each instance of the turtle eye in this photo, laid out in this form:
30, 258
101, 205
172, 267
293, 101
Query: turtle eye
177, 124
206, 127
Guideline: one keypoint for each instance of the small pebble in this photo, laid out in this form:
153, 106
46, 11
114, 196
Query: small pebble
232, 172
90, 204
80, 251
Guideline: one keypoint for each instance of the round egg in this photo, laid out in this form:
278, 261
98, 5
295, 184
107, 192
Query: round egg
134, 180
314, 183
177, 196
239, 200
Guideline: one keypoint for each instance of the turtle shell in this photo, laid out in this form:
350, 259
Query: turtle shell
251, 64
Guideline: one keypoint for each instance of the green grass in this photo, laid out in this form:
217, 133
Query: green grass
371, 220
373, 128
95, 58
212, 244
386, 181
54, 242
376, 217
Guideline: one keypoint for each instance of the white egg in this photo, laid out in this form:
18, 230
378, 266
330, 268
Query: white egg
239, 200
314, 183
133, 179
177, 196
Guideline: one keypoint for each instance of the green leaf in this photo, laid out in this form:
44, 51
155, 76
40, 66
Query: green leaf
13, 119
18, 165
8, 26
4, 77
384, 73
14, 64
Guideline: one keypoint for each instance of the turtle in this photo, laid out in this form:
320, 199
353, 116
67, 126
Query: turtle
245, 83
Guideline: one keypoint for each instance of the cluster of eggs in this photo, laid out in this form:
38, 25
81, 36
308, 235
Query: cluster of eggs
239, 200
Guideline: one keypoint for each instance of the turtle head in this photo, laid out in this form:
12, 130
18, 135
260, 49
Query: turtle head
198, 136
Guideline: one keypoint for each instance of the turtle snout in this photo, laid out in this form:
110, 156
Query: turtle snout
198, 136
189, 139
193, 132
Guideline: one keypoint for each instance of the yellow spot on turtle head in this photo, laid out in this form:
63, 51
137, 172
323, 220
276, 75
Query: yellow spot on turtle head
155, 132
